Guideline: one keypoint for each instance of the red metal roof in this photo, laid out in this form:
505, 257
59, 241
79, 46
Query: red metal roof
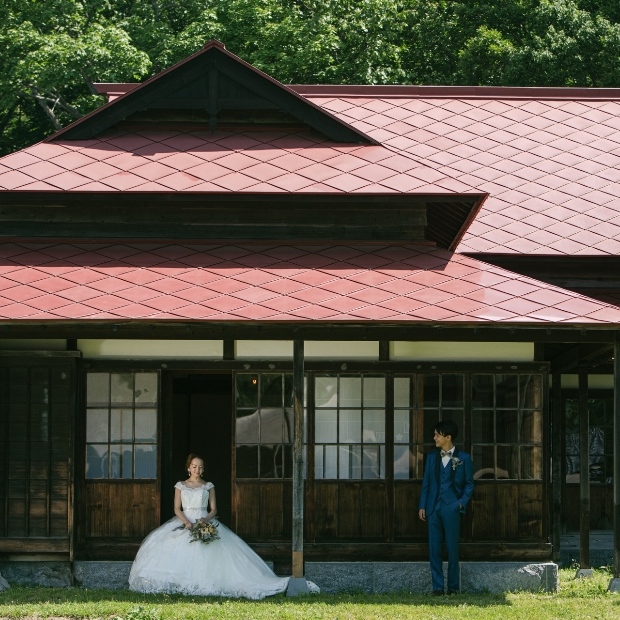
548, 158
247, 282
165, 161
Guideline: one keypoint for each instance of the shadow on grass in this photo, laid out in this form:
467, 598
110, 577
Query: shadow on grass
28, 595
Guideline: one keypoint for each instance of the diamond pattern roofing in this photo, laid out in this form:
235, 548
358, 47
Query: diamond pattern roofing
246, 282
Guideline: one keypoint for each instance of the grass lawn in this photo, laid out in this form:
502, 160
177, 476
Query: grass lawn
577, 598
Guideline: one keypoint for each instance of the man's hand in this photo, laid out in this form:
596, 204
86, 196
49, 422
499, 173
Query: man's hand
422, 514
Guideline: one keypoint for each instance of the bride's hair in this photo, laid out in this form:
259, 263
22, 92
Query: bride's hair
190, 457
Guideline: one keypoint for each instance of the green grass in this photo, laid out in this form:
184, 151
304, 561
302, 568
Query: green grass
577, 598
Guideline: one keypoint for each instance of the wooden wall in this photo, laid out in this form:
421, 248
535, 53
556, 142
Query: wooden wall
36, 453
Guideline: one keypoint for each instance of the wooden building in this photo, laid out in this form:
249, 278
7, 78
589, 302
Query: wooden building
212, 259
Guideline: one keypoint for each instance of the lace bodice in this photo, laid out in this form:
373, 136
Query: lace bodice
194, 500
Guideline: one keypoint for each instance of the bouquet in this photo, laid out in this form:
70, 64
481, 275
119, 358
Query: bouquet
202, 532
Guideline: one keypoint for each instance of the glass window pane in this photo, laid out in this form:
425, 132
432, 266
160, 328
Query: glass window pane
431, 417
325, 462
246, 426
349, 462
96, 461
482, 430
121, 425
373, 464
507, 462
270, 390
507, 430
146, 425
402, 457
531, 427
506, 391
289, 426
288, 390
531, 463
484, 462
374, 391
401, 426
247, 461
326, 428
116, 458
96, 425
121, 389
350, 426
374, 426
430, 391
246, 391
287, 453
350, 391
452, 390
271, 425
531, 391
402, 390
271, 461
326, 392
482, 391
146, 461
145, 389
97, 389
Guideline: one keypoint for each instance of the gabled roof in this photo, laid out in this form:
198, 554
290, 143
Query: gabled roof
211, 80
549, 158
354, 283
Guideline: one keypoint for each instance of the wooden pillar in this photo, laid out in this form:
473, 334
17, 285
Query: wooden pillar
298, 463
616, 460
556, 467
584, 470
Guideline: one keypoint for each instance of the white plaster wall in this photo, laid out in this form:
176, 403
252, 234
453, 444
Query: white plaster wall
463, 351
595, 382
264, 349
341, 349
128, 349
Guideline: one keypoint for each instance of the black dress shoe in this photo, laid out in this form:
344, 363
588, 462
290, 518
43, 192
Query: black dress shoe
437, 592
453, 591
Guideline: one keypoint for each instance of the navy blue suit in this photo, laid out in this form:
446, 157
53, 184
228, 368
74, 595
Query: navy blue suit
446, 491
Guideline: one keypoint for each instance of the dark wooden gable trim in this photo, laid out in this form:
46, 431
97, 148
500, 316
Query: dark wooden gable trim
205, 81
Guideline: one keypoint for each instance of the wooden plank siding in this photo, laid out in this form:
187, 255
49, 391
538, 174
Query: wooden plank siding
36, 453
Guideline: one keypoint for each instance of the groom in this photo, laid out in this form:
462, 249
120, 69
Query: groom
446, 490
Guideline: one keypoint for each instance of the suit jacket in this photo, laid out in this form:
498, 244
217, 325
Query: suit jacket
461, 481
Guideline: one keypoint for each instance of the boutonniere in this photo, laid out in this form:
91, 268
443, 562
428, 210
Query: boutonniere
456, 461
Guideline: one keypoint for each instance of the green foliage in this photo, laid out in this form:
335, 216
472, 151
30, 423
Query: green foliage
52, 52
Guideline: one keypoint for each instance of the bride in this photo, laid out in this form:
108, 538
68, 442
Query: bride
168, 561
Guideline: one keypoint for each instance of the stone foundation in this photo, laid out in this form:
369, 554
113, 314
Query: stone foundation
331, 577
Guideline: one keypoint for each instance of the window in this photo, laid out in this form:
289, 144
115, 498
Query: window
507, 426
349, 427
264, 425
121, 425
600, 438
420, 401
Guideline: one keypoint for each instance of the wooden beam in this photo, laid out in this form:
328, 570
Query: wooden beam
298, 461
584, 471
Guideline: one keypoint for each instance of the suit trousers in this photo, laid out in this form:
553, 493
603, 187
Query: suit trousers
444, 525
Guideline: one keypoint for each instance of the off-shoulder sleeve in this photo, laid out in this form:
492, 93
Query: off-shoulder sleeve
178, 485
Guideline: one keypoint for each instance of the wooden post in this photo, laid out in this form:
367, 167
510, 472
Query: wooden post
584, 475
298, 463
616, 473
556, 467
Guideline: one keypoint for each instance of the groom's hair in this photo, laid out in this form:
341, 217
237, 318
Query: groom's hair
447, 427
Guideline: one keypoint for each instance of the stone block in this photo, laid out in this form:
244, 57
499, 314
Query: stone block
102, 574
4, 584
334, 577
508, 577
47, 574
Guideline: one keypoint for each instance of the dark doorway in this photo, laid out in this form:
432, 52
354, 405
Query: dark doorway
200, 421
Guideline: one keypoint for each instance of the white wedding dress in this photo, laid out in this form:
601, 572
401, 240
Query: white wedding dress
168, 562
